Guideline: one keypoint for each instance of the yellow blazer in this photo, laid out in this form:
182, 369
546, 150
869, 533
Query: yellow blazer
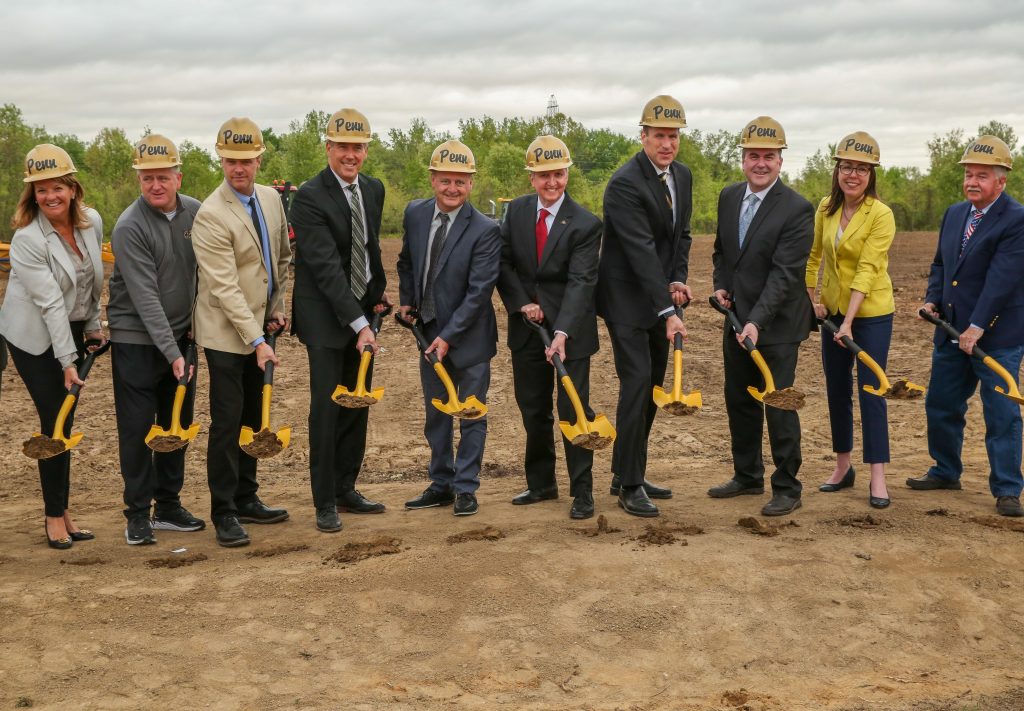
232, 304
860, 262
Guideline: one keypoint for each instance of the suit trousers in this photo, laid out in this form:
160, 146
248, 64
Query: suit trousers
747, 416
641, 355
955, 377
144, 389
533, 376
44, 380
873, 334
236, 389
451, 471
337, 435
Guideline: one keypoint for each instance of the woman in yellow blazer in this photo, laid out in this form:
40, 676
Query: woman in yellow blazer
52, 308
853, 231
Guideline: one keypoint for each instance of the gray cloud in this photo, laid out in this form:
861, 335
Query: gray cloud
901, 70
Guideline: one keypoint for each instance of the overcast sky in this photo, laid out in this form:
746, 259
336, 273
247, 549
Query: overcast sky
902, 70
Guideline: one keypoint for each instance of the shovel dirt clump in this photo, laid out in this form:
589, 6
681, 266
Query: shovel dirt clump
265, 443
161, 440
676, 402
360, 396
901, 389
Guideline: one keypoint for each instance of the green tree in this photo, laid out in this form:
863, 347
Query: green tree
108, 178
16, 139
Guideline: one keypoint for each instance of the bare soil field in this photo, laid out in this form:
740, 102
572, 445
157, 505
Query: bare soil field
838, 607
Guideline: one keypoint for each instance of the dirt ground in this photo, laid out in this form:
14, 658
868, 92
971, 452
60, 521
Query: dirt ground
839, 607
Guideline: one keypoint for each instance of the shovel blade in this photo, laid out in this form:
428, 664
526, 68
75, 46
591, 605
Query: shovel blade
245, 436
756, 394
285, 435
154, 432
661, 398
191, 433
1015, 396
376, 394
72, 441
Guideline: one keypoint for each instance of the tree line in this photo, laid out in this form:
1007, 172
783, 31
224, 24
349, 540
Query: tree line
918, 198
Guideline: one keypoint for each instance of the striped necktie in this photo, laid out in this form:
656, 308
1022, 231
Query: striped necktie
358, 266
663, 177
748, 215
971, 226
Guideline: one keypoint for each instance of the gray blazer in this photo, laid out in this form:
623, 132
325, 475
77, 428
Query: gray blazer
41, 288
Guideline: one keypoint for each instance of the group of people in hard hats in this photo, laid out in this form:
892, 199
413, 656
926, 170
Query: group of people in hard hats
214, 274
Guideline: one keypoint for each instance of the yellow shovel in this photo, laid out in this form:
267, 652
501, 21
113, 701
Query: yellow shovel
588, 434
361, 397
160, 440
39, 446
265, 443
469, 409
1011, 390
675, 402
899, 389
785, 399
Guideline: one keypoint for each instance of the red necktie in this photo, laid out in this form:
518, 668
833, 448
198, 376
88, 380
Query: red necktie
542, 232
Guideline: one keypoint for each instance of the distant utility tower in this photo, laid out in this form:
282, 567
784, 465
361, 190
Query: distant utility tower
552, 110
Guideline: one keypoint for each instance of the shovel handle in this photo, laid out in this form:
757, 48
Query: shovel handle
847, 341
677, 341
268, 367
421, 341
734, 321
83, 371
375, 324
190, 360
952, 332
545, 338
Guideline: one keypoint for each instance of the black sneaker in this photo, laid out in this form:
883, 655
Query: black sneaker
230, 533
139, 531
178, 519
465, 505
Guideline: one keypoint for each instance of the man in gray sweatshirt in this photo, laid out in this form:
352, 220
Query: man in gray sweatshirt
152, 292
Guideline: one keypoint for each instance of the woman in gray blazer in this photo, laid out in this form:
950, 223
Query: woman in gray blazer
52, 307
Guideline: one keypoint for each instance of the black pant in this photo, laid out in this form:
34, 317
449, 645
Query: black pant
747, 416
337, 435
533, 376
44, 380
236, 389
144, 388
641, 355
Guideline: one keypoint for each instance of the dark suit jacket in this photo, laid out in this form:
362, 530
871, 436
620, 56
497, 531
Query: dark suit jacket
323, 304
563, 283
766, 277
983, 285
467, 270
642, 251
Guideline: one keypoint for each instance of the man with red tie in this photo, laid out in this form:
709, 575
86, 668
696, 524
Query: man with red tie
549, 263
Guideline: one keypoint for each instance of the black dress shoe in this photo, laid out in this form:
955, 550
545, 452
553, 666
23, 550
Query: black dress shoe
81, 535
532, 497
653, 490
927, 482
582, 506
845, 483
634, 501
230, 533
328, 520
878, 502
1009, 506
354, 502
431, 498
780, 506
466, 505
61, 544
258, 512
734, 488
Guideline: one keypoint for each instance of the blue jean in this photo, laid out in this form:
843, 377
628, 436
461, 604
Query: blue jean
873, 334
955, 376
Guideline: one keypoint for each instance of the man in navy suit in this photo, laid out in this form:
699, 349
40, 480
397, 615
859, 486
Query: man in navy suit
975, 284
447, 269
548, 272
641, 279
339, 283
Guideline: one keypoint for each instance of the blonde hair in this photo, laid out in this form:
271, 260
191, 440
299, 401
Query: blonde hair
28, 209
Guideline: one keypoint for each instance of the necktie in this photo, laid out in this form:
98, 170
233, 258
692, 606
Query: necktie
748, 215
358, 266
264, 245
971, 226
663, 177
429, 312
542, 232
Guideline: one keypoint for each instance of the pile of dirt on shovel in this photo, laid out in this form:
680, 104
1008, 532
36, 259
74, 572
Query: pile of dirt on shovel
785, 399
469, 413
354, 401
264, 444
679, 408
591, 440
42, 447
166, 443
898, 390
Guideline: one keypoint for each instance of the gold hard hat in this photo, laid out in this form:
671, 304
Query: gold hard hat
988, 150
860, 146
763, 132
547, 153
155, 151
47, 161
453, 157
663, 112
240, 138
348, 126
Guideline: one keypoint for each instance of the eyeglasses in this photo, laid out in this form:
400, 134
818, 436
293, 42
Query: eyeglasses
847, 169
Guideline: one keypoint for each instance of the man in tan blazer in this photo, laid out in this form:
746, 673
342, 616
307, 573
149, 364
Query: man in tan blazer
240, 237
